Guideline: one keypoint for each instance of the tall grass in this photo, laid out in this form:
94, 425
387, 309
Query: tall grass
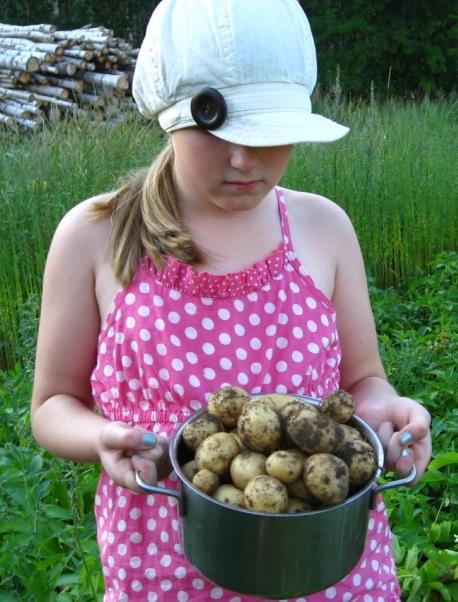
393, 174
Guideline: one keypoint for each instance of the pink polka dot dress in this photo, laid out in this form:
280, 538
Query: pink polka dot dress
171, 338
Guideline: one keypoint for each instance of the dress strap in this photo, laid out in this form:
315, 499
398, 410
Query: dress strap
284, 223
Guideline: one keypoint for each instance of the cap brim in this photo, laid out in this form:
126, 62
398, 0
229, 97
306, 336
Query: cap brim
278, 129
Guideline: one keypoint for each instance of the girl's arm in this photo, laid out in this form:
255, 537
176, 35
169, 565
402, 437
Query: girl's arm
362, 372
63, 420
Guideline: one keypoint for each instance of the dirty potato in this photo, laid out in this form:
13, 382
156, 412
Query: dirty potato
313, 432
216, 452
206, 480
228, 494
339, 405
295, 506
359, 456
299, 490
350, 434
227, 403
200, 428
190, 469
259, 427
266, 494
284, 466
327, 478
246, 466
289, 409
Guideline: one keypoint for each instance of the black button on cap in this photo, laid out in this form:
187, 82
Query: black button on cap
208, 108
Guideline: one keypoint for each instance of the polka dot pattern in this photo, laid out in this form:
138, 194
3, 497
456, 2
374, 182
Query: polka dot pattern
171, 338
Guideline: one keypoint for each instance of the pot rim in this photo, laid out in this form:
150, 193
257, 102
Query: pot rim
371, 484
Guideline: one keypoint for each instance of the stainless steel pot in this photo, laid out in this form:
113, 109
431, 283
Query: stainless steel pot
273, 555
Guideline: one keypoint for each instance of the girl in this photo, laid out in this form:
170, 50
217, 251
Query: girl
203, 272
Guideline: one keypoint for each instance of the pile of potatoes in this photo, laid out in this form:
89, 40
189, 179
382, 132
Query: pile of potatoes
276, 453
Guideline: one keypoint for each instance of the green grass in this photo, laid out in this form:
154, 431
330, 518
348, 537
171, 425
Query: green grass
394, 174
47, 532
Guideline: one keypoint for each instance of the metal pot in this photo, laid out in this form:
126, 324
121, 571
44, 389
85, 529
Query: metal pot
273, 555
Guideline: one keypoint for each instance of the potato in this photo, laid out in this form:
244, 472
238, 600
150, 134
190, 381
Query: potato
288, 410
299, 490
327, 478
227, 403
216, 452
359, 456
245, 466
349, 434
190, 469
298, 453
275, 400
284, 466
236, 436
200, 428
266, 494
206, 480
228, 494
339, 405
295, 506
259, 427
314, 432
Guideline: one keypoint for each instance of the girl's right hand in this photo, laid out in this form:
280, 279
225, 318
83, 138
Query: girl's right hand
123, 450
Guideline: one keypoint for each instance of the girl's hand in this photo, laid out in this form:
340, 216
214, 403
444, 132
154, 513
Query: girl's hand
123, 450
402, 425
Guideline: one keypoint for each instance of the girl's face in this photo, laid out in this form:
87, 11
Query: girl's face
211, 173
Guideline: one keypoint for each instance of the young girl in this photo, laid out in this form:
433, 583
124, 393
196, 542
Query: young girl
203, 272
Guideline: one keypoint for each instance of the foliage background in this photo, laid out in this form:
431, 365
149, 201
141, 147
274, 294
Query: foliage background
408, 47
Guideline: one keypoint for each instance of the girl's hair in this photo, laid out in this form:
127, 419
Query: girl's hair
145, 217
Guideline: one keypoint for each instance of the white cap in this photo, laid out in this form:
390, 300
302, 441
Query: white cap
249, 65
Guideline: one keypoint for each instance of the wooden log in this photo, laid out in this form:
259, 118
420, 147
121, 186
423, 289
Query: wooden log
23, 44
85, 55
27, 123
54, 91
5, 119
79, 63
92, 99
107, 80
76, 85
37, 36
19, 60
60, 68
100, 48
40, 79
16, 94
13, 109
21, 109
43, 27
64, 104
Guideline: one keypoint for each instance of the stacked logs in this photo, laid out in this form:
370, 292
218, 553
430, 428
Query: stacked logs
45, 72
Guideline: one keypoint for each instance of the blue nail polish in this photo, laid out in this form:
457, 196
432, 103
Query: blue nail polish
405, 453
149, 440
406, 438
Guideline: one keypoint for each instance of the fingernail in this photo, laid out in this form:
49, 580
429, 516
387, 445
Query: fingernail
406, 438
149, 440
405, 453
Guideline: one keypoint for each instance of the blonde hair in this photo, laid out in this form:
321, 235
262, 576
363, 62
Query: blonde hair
146, 217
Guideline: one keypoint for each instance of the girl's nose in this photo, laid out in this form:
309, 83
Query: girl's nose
242, 158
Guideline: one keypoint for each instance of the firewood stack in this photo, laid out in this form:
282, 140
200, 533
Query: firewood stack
45, 72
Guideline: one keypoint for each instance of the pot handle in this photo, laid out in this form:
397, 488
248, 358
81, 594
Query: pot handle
147, 488
405, 481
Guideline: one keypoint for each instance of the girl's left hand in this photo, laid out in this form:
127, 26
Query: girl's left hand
402, 425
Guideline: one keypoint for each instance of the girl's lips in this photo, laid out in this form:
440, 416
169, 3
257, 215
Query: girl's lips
242, 185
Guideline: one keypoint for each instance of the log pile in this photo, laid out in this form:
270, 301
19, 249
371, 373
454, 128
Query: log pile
45, 72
